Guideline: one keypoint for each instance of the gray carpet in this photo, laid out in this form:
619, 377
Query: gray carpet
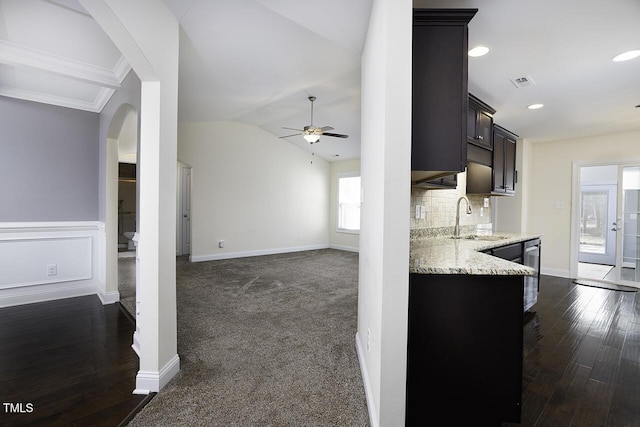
265, 341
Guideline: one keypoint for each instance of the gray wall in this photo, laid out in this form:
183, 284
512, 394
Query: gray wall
48, 162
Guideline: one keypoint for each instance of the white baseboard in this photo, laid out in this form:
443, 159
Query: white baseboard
345, 248
47, 292
244, 254
373, 417
136, 343
107, 297
557, 272
149, 381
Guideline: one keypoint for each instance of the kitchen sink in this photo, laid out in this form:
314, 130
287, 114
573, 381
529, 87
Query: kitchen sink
480, 237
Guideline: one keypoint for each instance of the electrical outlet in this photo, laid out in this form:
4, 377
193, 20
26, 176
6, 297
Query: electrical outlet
221, 244
486, 202
52, 269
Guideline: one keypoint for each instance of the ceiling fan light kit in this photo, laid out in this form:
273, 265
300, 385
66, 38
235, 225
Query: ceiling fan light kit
311, 138
311, 133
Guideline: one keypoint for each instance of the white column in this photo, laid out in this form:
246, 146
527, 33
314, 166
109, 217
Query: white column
147, 33
384, 235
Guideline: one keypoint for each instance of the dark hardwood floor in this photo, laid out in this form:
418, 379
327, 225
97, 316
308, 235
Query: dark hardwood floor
70, 363
67, 363
581, 357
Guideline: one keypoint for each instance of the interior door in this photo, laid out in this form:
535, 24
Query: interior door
598, 204
186, 210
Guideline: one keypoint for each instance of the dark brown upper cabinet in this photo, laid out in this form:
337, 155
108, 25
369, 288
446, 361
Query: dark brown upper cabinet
504, 161
439, 92
480, 123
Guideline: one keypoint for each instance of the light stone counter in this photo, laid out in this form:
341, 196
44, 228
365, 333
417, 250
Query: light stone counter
445, 255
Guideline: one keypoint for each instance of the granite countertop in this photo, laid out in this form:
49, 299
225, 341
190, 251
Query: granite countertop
445, 255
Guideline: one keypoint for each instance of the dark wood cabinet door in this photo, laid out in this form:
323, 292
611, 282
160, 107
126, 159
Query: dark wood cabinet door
439, 89
498, 162
464, 344
504, 161
472, 113
510, 165
484, 129
480, 123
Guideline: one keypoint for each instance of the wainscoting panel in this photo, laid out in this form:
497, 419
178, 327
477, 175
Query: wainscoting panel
45, 261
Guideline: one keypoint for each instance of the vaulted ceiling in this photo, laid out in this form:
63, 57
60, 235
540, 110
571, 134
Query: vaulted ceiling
257, 61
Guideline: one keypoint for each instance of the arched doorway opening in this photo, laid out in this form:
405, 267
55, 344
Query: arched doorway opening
122, 208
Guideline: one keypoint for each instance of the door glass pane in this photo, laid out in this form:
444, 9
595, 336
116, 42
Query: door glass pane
593, 222
630, 269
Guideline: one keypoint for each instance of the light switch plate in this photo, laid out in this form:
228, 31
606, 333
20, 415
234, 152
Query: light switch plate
423, 212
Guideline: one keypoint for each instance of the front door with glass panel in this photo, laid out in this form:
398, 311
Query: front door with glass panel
597, 217
628, 228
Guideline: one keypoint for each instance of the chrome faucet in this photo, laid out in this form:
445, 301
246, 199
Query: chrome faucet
456, 230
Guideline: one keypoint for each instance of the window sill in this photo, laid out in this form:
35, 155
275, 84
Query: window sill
342, 230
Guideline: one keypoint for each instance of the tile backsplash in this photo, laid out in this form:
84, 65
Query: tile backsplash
438, 207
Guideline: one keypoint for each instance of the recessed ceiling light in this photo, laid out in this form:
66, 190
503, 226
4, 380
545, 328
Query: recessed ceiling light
478, 51
625, 56
535, 106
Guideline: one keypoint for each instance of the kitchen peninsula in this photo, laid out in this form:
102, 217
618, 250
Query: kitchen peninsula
466, 313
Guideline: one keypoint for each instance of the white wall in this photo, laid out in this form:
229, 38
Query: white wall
549, 189
383, 286
256, 192
340, 239
508, 210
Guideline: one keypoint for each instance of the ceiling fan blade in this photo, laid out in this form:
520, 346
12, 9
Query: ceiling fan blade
336, 135
299, 130
326, 128
287, 136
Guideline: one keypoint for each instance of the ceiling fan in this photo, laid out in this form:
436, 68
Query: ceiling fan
311, 133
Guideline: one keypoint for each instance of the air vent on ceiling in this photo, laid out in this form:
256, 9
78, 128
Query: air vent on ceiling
524, 81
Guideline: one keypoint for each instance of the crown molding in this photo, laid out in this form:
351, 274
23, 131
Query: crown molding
22, 56
121, 69
44, 98
17, 55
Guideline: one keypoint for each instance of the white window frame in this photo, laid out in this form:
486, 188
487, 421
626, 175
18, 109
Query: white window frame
339, 176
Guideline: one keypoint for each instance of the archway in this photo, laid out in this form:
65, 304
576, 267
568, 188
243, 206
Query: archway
122, 147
